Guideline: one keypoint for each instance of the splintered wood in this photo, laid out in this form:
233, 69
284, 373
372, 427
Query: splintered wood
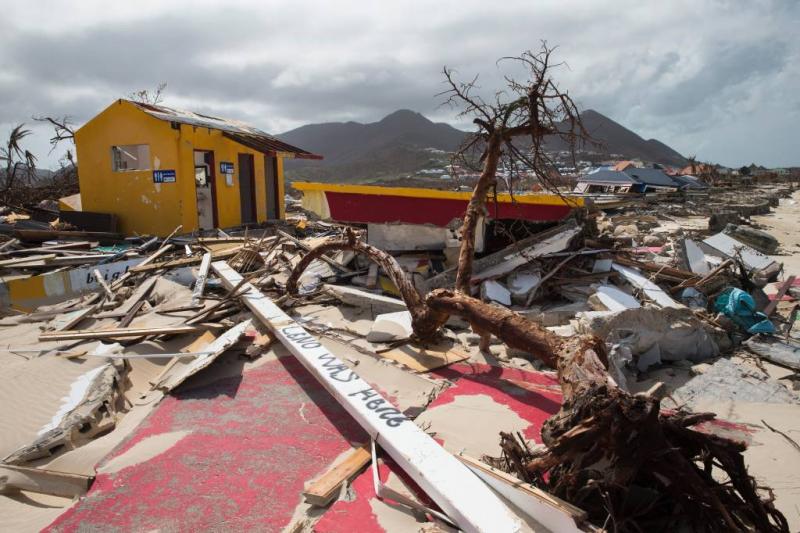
322, 491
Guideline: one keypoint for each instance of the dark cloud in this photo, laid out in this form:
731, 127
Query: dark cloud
693, 74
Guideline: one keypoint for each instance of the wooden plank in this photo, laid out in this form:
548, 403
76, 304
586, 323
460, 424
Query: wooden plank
184, 261
41, 235
116, 333
138, 295
69, 320
323, 490
103, 284
667, 272
9, 244
155, 255
467, 501
553, 513
79, 245
150, 355
14, 478
10, 263
202, 276
778, 297
425, 359
181, 368
129, 316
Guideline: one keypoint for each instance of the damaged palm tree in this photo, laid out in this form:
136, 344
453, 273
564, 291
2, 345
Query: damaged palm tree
631, 466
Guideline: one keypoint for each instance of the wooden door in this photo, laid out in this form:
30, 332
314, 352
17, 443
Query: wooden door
247, 189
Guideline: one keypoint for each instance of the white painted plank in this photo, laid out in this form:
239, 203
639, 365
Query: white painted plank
696, 258
457, 491
202, 276
185, 368
650, 289
615, 299
556, 516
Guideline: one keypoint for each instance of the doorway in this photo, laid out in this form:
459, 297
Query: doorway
205, 189
272, 190
247, 189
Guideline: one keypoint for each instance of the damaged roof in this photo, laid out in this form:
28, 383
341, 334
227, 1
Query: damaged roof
608, 176
652, 176
236, 130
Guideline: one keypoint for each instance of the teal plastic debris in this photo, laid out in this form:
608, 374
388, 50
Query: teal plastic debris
741, 309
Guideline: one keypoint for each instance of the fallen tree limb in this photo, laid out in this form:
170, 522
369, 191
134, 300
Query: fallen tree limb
425, 321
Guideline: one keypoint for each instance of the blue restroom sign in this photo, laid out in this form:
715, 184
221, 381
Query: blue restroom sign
164, 176
225, 167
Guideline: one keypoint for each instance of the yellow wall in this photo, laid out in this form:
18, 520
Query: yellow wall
157, 208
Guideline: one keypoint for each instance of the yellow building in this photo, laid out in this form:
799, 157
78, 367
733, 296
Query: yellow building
156, 168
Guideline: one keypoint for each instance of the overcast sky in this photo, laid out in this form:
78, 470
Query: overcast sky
719, 79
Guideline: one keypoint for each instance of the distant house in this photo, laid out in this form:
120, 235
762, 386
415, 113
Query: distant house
156, 168
653, 179
607, 181
633, 180
690, 182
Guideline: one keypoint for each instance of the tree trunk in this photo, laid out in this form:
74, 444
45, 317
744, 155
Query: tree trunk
475, 210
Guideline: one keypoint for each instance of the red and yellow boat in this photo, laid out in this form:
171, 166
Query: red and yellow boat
380, 205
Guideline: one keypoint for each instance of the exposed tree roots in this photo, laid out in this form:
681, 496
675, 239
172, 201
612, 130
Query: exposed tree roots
632, 467
616, 455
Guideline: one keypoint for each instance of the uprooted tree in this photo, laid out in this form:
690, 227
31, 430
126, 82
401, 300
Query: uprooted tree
630, 465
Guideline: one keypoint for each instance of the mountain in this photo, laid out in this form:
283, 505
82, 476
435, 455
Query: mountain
357, 152
345, 142
617, 139
400, 143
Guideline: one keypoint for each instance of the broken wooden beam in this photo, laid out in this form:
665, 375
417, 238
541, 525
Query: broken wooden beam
322, 491
779, 296
15, 478
184, 261
103, 284
459, 493
202, 276
116, 333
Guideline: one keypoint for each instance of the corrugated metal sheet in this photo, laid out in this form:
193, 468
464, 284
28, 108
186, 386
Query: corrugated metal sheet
270, 145
238, 131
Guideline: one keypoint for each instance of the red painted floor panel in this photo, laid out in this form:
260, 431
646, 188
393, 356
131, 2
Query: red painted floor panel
255, 440
534, 396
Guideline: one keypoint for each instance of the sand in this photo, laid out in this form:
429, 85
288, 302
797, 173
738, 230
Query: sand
784, 225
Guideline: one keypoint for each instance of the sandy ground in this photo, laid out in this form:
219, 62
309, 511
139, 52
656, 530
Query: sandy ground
784, 225
771, 457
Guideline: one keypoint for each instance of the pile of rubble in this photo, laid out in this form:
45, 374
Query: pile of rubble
195, 381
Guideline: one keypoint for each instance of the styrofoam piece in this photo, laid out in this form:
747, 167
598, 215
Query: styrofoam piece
520, 284
494, 291
390, 327
615, 299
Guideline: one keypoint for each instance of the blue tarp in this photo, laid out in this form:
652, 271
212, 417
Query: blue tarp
741, 308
